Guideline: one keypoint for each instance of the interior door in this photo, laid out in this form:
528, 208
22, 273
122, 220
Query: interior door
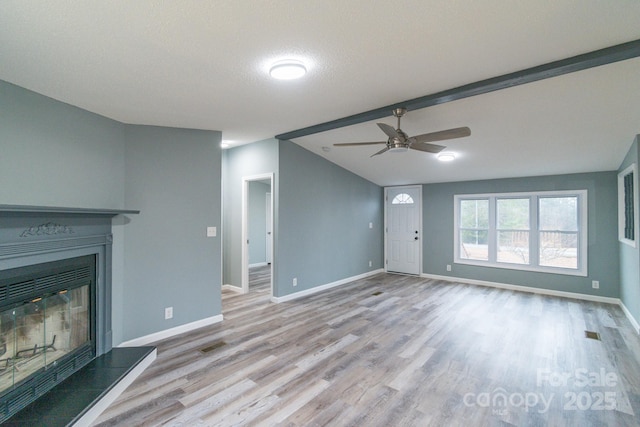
267, 179
403, 229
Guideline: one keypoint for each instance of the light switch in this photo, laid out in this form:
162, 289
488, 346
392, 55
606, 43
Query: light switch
211, 232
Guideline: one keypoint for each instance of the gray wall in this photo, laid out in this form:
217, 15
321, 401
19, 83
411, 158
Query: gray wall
54, 154
324, 214
630, 257
257, 221
603, 258
238, 162
173, 177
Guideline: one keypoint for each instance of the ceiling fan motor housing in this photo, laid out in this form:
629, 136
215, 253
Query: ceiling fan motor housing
397, 145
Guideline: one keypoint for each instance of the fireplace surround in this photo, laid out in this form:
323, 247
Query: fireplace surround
55, 297
46, 322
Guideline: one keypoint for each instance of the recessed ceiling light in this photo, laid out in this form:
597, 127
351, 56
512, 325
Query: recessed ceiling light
287, 70
446, 157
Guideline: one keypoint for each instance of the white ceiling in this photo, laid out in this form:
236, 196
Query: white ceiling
204, 65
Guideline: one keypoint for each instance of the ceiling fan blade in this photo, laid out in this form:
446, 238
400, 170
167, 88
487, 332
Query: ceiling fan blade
348, 144
429, 148
443, 134
381, 151
389, 130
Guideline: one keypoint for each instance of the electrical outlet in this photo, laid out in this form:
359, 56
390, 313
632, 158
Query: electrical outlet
370, 263
212, 231
295, 281
168, 313
595, 284
370, 225
448, 267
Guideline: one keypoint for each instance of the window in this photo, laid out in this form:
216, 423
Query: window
544, 231
402, 199
628, 206
474, 228
558, 231
512, 226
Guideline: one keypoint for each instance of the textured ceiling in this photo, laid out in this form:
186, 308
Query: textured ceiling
204, 65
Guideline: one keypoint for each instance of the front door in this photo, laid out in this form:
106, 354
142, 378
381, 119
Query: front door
403, 209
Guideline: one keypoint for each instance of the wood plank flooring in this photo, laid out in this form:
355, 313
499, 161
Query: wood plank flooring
260, 278
420, 353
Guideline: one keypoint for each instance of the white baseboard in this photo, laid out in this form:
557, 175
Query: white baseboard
632, 319
321, 288
521, 288
168, 333
92, 414
232, 288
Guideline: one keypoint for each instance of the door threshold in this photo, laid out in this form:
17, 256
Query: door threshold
402, 274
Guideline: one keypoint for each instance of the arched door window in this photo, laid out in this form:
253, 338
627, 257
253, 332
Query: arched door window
402, 199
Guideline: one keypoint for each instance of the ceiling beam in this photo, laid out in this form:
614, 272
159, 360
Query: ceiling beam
552, 69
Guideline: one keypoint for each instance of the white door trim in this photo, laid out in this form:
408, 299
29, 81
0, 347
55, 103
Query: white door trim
269, 235
245, 229
420, 234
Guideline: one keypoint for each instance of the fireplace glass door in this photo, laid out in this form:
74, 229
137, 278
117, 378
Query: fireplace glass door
36, 334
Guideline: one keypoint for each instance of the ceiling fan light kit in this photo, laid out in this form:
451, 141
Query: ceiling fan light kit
399, 149
287, 70
399, 141
446, 156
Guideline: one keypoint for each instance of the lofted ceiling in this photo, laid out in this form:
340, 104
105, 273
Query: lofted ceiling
204, 65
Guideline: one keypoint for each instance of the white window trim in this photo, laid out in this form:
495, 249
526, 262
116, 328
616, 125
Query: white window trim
633, 243
583, 231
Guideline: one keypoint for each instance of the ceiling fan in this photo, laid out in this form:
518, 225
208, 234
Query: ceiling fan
400, 141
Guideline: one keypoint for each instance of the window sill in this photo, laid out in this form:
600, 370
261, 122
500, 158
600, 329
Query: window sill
526, 268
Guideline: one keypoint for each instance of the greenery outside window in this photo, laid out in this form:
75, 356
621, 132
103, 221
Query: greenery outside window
541, 231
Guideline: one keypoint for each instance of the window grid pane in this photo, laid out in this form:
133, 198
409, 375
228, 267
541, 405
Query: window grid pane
513, 247
474, 229
558, 213
474, 214
473, 244
513, 214
559, 249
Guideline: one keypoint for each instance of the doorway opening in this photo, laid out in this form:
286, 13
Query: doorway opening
257, 233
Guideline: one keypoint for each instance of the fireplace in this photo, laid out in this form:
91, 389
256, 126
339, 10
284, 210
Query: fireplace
55, 297
46, 325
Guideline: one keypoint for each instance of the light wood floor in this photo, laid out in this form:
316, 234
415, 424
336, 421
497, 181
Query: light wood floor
260, 278
394, 351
